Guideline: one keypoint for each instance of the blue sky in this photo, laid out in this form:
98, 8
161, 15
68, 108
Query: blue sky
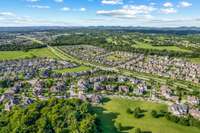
155, 13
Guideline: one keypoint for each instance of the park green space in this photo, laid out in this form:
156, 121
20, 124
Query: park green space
170, 48
32, 39
75, 69
116, 110
42, 52
115, 57
194, 60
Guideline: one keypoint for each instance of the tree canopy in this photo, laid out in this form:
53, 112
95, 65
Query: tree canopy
52, 116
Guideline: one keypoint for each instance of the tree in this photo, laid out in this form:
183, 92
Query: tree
118, 126
138, 130
49, 83
87, 125
154, 113
45, 125
129, 111
184, 121
194, 122
5, 83
138, 112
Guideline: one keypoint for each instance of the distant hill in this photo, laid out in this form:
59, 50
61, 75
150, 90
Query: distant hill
28, 29
177, 30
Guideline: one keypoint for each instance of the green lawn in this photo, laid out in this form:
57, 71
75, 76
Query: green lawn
170, 48
115, 57
76, 69
43, 52
115, 109
195, 60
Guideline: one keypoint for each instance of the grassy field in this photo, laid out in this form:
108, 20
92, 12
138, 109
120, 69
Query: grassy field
115, 110
115, 57
43, 52
194, 60
170, 48
76, 69
32, 39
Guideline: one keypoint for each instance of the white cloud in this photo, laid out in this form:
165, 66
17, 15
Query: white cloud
82, 9
58, 0
112, 2
11, 19
168, 11
152, 4
168, 4
32, 0
75, 9
65, 9
39, 6
6, 14
128, 11
184, 4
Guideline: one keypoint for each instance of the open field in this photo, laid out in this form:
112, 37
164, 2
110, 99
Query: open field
170, 48
43, 52
32, 39
195, 60
115, 58
115, 109
76, 69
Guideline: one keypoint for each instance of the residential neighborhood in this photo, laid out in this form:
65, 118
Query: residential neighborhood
110, 79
